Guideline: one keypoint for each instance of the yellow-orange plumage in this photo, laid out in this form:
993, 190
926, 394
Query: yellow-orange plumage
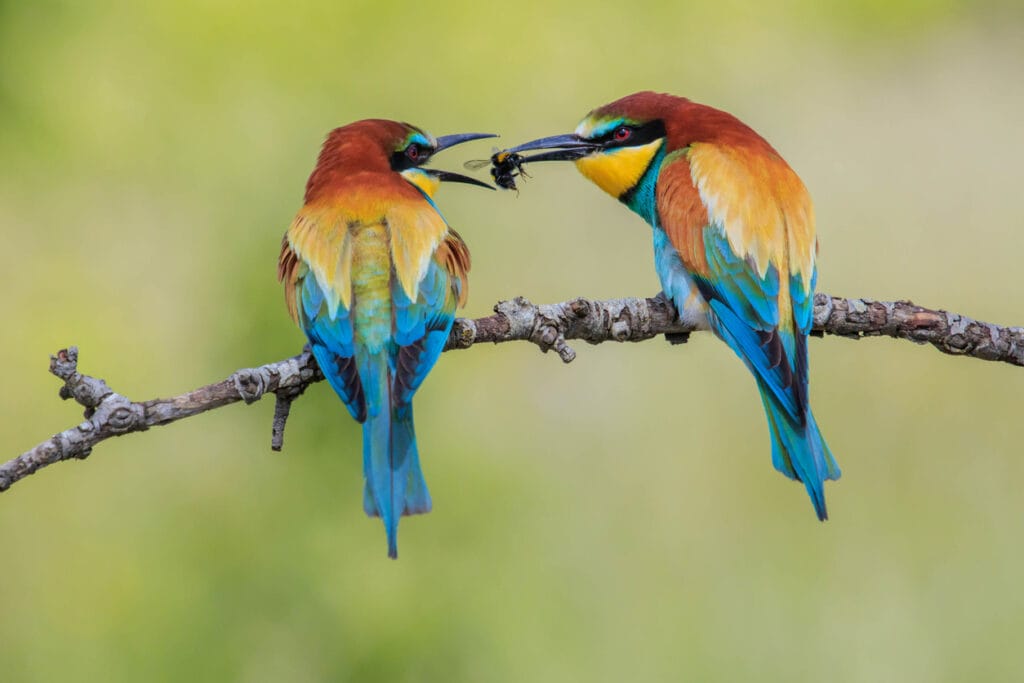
734, 242
373, 275
760, 202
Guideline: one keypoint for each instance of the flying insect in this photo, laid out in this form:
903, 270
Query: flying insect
505, 167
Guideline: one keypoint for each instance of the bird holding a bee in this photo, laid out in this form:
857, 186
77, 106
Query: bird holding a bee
734, 244
373, 275
505, 168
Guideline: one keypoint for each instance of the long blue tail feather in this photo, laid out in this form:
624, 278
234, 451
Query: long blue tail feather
380, 467
394, 484
799, 451
403, 441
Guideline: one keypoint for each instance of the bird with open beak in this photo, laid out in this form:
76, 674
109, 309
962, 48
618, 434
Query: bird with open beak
373, 275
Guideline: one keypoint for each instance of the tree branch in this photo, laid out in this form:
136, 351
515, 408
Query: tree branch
109, 414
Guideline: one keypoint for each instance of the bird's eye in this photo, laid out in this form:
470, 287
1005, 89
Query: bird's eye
413, 152
622, 133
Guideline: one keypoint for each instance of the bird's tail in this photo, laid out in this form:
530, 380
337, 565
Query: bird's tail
799, 451
394, 480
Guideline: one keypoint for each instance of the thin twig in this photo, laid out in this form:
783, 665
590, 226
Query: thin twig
109, 414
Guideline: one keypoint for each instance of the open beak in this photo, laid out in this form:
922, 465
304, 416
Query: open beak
448, 176
563, 148
446, 141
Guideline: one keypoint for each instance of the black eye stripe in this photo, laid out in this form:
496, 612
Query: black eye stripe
641, 135
412, 155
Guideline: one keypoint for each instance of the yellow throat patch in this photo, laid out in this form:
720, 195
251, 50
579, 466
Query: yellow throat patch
427, 183
618, 170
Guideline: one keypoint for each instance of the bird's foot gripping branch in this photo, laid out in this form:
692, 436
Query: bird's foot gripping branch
550, 326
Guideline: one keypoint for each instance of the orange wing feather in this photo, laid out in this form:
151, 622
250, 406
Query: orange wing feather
757, 200
760, 203
682, 213
453, 255
288, 273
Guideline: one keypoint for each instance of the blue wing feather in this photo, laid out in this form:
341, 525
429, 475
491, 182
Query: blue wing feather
746, 316
332, 342
803, 302
737, 282
421, 329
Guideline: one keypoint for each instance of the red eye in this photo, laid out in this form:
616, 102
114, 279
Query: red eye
622, 133
413, 152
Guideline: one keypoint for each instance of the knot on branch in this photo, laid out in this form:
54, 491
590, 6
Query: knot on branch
630, 320
87, 391
64, 363
463, 334
252, 383
544, 326
120, 416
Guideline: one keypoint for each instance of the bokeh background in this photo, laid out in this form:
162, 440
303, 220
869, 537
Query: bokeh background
615, 519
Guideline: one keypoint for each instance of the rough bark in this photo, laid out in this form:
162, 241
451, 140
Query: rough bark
549, 326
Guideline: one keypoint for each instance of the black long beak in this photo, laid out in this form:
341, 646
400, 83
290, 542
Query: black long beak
448, 176
564, 148
446, 141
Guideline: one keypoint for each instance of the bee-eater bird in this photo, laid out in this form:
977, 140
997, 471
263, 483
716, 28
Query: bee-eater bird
373, 275
734, 245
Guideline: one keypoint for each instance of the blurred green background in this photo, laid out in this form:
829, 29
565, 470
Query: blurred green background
615, 519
